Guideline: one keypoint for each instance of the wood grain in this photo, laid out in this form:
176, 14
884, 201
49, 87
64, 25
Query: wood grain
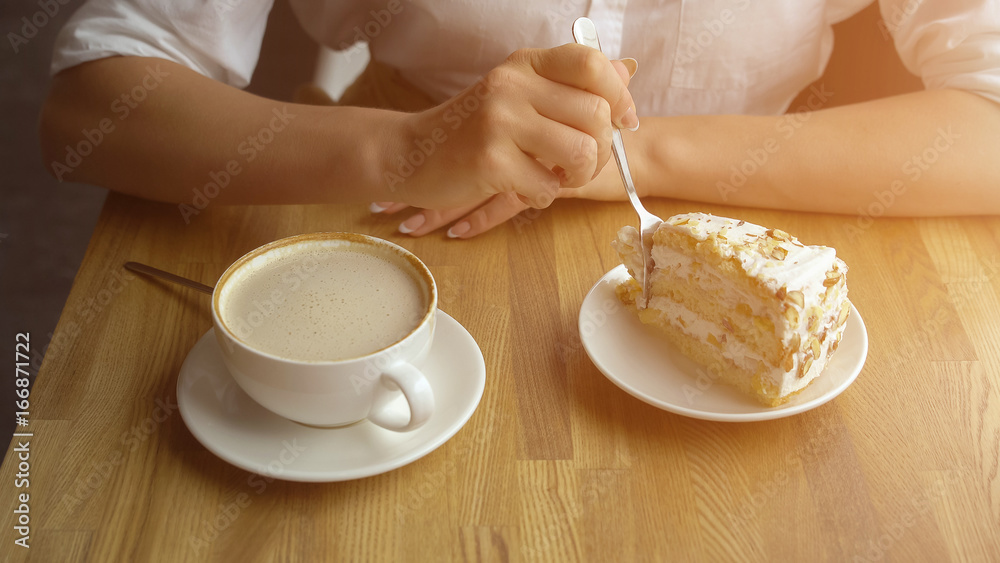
557, 463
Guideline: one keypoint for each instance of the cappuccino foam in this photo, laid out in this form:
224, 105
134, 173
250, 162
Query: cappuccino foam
323, 301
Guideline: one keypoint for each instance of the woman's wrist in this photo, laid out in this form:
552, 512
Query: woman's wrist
681, 162
653, 152
362, 154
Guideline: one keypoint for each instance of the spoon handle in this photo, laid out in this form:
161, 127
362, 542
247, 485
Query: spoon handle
157, 273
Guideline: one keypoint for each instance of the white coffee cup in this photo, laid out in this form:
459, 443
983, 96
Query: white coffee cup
336, 392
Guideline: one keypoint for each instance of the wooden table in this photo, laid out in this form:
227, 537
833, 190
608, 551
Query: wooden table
557, 463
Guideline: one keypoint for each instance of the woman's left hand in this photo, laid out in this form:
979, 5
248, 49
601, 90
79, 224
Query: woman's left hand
471, 220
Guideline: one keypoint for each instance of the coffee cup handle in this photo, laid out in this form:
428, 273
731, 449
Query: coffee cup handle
415, 388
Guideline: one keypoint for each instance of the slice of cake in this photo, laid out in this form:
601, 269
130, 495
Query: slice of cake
759, 309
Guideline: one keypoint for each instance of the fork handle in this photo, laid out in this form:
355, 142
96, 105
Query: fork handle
618, 150
585, 33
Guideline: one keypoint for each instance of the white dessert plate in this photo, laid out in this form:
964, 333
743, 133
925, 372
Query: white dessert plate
638, 359
234, 427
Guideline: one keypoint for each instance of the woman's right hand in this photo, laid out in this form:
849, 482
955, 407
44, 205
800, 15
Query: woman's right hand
553, 106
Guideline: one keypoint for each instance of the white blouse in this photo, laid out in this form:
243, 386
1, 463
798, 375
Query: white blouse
695, 56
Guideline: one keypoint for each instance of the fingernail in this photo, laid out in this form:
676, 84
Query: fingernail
631, 120
631, 65
544, 200
459, 229
377, 207
412, 224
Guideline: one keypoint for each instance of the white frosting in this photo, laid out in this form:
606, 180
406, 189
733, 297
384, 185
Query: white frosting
698, 328
628, 246
803, 268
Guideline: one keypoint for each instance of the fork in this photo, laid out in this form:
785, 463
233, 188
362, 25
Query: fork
585, 33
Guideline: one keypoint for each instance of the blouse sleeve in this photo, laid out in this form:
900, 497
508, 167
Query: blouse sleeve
218, 38
948, 43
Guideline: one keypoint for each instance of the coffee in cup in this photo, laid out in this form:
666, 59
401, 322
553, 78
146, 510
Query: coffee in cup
318, 303
323, 328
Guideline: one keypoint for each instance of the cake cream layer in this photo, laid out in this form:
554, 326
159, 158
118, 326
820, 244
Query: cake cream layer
699, 328
771, 306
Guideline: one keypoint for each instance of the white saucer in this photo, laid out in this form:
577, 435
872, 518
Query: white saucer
234, 427
638, 359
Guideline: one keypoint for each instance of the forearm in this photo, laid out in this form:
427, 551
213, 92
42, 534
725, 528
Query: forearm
155, 129
926, 153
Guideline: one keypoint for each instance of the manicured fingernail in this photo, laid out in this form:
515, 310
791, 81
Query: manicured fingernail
631, 120
412, 224
378, 207
631, 65
459, 229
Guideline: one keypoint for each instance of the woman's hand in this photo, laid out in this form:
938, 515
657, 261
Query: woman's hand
470, 220
552, 106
